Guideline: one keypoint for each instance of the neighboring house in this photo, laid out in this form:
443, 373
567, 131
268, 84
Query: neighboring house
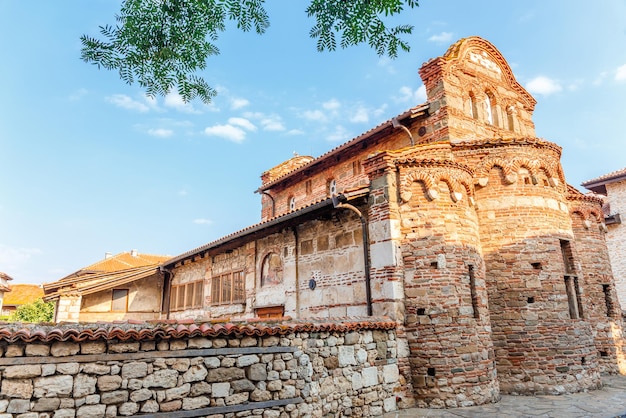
454, 220
613, 186
4, 286
128, 285
21, 294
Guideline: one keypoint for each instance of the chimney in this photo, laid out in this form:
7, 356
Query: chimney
107, 255
133, 253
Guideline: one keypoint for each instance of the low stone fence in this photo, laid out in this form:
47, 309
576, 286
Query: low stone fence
192, 370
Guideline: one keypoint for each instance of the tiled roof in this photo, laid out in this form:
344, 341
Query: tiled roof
413, 112
126, 260
113, 271
598, 184
265, 225
22, 294
136, 330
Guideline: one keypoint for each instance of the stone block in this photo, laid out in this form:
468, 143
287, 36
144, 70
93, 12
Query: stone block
128, 409
134, 370
196, 402
22, 372
84, 385
18, 406
220, 390
257, 372
37, 350
91, 411
114, 397
108, 383
63, 349
247, 360
346, 356
370, 376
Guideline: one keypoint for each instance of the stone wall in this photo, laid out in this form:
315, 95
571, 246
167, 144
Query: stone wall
192, 370
616, 237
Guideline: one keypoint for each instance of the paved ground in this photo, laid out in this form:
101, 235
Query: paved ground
608, 402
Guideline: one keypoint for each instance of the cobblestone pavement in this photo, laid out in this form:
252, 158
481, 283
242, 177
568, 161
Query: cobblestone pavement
608, 402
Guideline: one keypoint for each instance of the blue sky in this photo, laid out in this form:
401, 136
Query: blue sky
90, 165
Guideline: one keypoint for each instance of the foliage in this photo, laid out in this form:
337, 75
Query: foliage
161, 44
37, 311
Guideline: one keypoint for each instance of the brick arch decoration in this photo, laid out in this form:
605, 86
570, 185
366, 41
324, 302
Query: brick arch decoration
511, 168
588, 214
455, 183
461, 47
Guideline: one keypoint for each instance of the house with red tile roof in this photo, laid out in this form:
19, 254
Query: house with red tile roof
453, 220
128, 285
20, 294
613, 187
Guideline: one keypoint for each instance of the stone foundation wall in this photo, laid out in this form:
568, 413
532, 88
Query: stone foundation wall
302, 370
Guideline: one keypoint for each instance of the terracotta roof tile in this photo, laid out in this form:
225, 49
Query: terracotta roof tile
124, 331
105, 274
22, 294
611, 177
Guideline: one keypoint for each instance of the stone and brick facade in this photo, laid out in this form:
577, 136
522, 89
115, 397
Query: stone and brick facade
452, 220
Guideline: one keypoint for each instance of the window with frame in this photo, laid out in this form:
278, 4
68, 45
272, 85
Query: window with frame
228, 288
292, 203
308, 187
119, 300
186, 296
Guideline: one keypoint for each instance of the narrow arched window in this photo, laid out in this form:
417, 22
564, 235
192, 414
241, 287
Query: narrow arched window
510, 119
491, 109
292, 203
473, 108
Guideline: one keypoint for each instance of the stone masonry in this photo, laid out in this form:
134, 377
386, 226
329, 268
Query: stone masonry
264, 371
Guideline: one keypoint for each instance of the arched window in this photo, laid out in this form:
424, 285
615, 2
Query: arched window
292, 203
271, 270
473, 108
491, 109
510, 118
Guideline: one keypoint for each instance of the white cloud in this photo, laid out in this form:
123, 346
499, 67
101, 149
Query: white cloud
160, 132
229, 132
175, 101
360, 115
442, 37
295, 132
272, 123
600, 78
268, 122
543, 85
183, 192
202, 221
332, 104
620, 74
125, 102
238, 103
339, 135
243, 123
314, 115
11, 258
407, 94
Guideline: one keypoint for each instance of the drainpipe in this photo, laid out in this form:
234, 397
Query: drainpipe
297, 267
339, 202
273, 203
167, 289
396, 124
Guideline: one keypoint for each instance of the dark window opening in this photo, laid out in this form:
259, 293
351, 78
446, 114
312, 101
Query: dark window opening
421, 311
608, 299
431, 371
572, 286
531, 299
473, 292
